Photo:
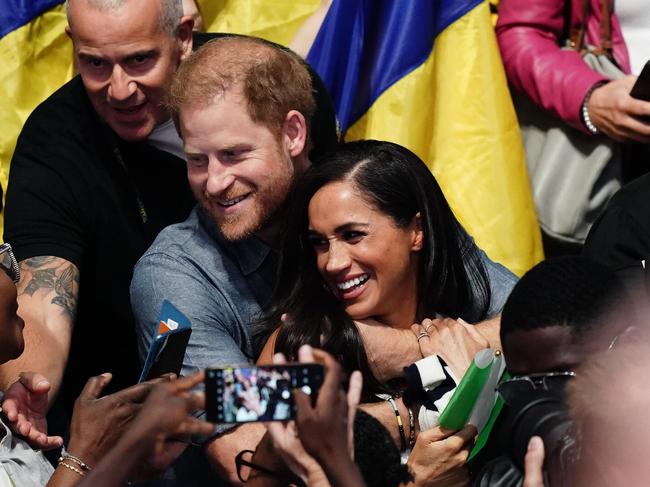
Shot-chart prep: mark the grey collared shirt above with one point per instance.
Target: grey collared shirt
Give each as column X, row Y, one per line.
column 220, row 286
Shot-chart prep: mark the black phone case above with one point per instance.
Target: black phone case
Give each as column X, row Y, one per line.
column 641, row 88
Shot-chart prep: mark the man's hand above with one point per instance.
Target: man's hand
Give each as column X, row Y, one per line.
column 25, row 405
column 439, row 457
column 166, row 418
column 454, row 341
column 98, row 422
column 616, row 114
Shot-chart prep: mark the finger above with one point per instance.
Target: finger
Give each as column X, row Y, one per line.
column 135, row 394
column 23, row 426
column 435, row 434
column 354, row 397
column 34, row 382
column 196, row 401
column 333, row 377
column 303, row 404
column 52, row 442
column 188, row 383
column 279, row 359
column 416, row 328
column 533, row 463
column 10, row 408
column 468, row 433
column 306, row 354
column 166, row 377
column 354, row 391
column 95, row 385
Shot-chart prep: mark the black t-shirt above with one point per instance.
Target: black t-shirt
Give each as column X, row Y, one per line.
column 70, row 197
column 620, row 237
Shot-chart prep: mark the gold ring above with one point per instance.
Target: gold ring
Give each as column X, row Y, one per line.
column 422, row 335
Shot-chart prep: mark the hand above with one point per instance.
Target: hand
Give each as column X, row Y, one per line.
column 327, row 430
column 616, row 114
column 324, row 432
column 288, row 445
column 25, row 405
column 533, row 463
column 166, row 415
column 454, row 341
column 439, row 456
column 98, row 422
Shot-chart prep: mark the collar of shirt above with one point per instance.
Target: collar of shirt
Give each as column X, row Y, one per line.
column 249, row 253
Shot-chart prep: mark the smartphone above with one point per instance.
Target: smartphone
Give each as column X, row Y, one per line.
column 166, row 354
column 258, row 393
column 167, row 349
column 641, row 88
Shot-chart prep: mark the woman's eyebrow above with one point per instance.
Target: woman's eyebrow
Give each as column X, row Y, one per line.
column 350, row 226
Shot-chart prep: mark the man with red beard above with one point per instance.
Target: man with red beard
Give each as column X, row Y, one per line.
column 243, row 109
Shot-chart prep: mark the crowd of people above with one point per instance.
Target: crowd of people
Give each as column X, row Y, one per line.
column 206, row 170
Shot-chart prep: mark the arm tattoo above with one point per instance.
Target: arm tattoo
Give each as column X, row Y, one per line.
column 57, row 277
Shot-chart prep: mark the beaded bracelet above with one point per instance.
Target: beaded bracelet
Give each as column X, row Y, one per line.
column 400, row 425
column 66, row 456
column 412, row 430
column 62, row 461
column 584, row 110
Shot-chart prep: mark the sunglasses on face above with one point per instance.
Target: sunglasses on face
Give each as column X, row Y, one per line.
column 521, row 385
column 8, row 263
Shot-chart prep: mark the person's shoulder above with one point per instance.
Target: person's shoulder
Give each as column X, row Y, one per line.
column 67, row 107
column 187, row 241
column 633, row 198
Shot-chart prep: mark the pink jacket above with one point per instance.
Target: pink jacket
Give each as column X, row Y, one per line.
column 557, row 80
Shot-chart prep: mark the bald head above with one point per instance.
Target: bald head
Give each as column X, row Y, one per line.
column 272, row 80
column 170, row 10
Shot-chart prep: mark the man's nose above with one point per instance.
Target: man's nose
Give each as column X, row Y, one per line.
column 338, row 258
column 121, row 87
column 219, row 178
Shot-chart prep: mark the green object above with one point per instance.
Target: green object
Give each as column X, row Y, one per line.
column 475, row 400
column 461, row 404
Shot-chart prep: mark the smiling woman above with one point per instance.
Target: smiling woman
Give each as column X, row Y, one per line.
column 371, row 236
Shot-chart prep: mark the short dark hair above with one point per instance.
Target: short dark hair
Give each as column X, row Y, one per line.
column 572, row 291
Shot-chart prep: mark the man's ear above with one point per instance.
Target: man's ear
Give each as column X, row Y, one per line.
column 418, row 233
column 294, row 133
column 184, row 35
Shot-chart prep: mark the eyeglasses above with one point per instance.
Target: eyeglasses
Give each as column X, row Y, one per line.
column 8, row 262
column 241, row 462
column 517, row 387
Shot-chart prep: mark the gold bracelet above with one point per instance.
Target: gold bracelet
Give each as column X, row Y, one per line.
column 84, row 466
column 71, row 467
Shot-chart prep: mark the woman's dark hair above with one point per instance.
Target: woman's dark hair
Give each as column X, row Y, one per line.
column 451, row 279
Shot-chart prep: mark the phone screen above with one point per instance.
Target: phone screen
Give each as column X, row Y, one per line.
column 258, row 393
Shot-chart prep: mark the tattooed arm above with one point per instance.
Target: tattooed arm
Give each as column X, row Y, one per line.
column 47, row 300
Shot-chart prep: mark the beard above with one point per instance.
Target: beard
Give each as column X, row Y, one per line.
column 264, row 206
